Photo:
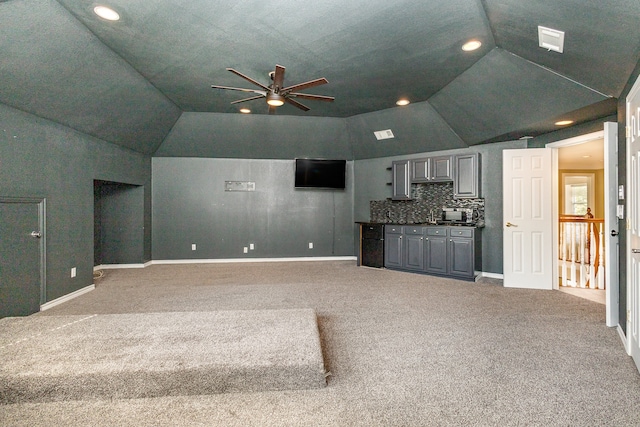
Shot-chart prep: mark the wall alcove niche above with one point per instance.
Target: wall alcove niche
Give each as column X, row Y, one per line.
column 118, row 223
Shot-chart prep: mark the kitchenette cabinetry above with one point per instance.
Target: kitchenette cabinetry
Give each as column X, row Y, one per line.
column 393, row 250
column 466, row 181
column 442, row 250
column 401, row 183
column 432, row 169
column 461, row 169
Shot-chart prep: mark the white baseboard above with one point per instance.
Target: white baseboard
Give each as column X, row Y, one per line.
column 492, row 275
column 623, row 338
column 67, row 297
column 221, row 261
column 241, row 260
column 114, row 266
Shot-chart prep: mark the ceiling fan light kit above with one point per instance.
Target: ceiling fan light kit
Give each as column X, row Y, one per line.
column 275, row 94
column 275, row 100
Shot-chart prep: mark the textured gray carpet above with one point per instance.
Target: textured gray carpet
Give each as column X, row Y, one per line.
column 107, row 356
column 403, row 350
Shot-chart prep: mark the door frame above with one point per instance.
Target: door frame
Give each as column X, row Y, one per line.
column 630, row 123
column 41, row 202
column 611, row 292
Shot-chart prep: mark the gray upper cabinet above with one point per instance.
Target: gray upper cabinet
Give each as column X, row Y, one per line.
column 400, row 183
column 432, row 169
column 466, row 178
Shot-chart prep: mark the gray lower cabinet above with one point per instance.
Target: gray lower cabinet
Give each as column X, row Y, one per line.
column 393, row 250
column 446, row 251
column 461, row 252
column 436, row 253
column 413, row 248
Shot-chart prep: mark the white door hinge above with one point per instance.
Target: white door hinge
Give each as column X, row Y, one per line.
column 627, row 130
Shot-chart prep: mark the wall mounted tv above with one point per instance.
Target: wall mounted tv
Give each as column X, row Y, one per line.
column 320, row 173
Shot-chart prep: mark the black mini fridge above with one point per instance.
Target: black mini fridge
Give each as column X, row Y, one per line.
column 371, row 245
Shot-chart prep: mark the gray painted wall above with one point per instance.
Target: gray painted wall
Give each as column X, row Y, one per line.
column 213, row 135
column 40, row 158
column 191, row 206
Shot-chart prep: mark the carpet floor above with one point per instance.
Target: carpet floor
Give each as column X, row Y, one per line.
column 403, row 350
column 138, row 355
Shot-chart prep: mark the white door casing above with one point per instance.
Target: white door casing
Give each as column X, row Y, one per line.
column 633, row 223
column 611, row 241
column 529, row 243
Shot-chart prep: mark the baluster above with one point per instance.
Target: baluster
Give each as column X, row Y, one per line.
column 592, row 258
column 563, row 254
column 583, row 276
column 572, row 229
column 601, row 267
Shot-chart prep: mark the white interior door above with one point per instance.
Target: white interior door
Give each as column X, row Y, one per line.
column 529, row 243
column 611, row 241
column 633, row 229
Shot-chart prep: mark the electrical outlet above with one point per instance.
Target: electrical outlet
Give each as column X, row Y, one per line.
column 73, row 272
column 251, row 246
column 193, row 246
column 246, row 249
column 310, row 245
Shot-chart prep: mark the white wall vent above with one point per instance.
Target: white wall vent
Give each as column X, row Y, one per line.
column 551, row 39
column 383, row 134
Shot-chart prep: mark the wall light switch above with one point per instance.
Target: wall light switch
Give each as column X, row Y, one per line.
column 73, row 272
column 251, row 246
column 310, row 245
column 246, row 249
column 193, row 247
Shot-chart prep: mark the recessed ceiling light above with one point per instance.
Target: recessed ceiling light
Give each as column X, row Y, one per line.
column 106, row 13
column 564, row 122
column 586, row 156
column 471, row 45
column 245, row 110
column 403, row 101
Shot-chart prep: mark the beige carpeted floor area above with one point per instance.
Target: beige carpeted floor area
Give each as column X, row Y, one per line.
column 403, row 350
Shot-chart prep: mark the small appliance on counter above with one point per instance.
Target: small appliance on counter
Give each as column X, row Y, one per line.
column 458, row 216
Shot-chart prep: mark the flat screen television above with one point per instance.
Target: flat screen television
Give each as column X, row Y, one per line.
column 320, row 173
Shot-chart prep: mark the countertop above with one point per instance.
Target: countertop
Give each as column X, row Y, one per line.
column 479, row 224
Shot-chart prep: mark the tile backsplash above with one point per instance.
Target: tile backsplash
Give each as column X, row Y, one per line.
column 426, row 199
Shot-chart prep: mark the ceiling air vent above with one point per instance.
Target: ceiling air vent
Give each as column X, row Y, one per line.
column 383, row 134
column 551, row 39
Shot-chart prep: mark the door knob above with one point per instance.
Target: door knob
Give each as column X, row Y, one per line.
column 511, row 225
column 614, row 233
column 36, row 234
column 635, row 251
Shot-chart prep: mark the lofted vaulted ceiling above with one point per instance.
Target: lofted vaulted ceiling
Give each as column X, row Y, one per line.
column 128, row 82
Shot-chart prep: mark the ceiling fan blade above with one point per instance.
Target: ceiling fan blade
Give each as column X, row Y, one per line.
column 297, row 104
column 248, row 99
column 314, row 97
column 249, row 79
column 278, row 78
column 305, row 85
column 261, row 92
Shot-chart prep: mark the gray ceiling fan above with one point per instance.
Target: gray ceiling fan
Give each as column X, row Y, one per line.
column 275, row 94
